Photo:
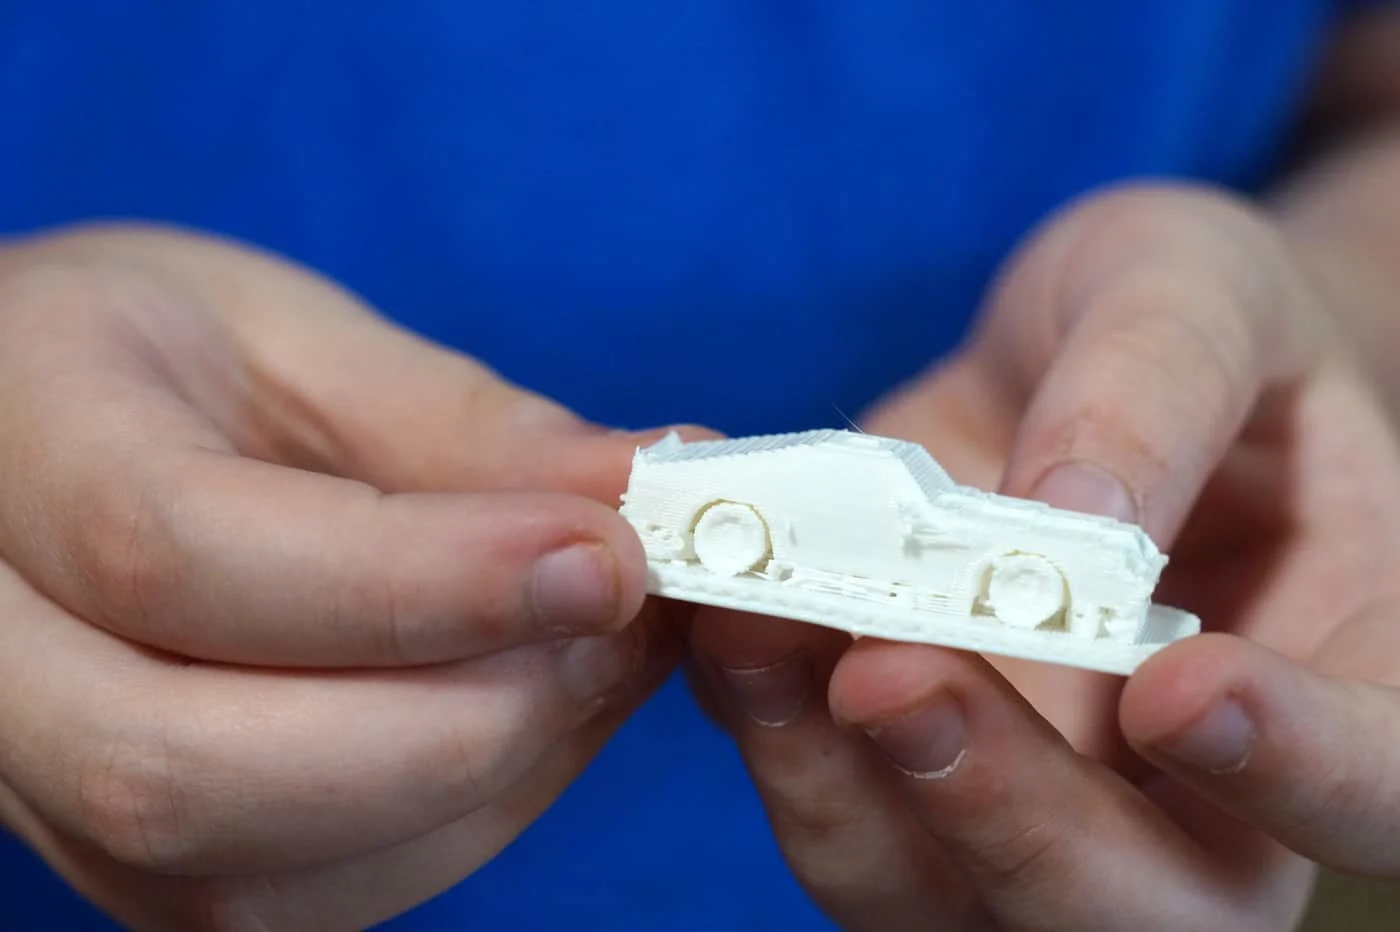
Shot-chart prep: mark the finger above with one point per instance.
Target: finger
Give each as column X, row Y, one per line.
column 1309, row 757
column 967, row 416
column 845, row 834
column 1128, row 346
column 309, row 374
column 349, row 894
column 1048, row 838
column 1143, row 330
column 381, row 885
column 355, row 894
column 214, row 556
column 139, row 514
column 193, row 769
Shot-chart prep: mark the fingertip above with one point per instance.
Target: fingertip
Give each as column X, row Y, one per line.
column 1275, row 744
column 1196, row 706
column 577, row 590
column 881, row 681
column 545, row 565
column 628, row 562
column 1173, row 686
column 1088, row 488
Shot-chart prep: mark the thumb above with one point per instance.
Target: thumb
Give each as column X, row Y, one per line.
column 1310, row 756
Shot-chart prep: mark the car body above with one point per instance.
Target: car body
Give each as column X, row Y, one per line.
column 873, row 522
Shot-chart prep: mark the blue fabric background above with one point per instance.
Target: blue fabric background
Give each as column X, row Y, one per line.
column 747, row 213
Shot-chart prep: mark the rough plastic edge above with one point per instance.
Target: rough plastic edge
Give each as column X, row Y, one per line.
column 758, row 596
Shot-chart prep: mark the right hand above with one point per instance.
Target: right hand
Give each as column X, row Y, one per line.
column 1171, row 350
column 304, row 619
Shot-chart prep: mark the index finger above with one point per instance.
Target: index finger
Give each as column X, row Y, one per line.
column 1145, row 330
column 128, row 505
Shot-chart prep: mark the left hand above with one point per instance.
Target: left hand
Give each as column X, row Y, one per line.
column 1163, row 356
column 302, row 618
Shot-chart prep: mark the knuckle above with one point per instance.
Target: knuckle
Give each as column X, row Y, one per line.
column 1015, row 839
column 476, row 758
column 1160, row 320
column 1021, row 857
column 520, row 722
column 44, row 286
column 379, row 609
column 428, row 598
column 815, row 826
column 133, row 807
column 1167, row 312
column 470, row 768
column 70, row 284
column 1186, row 234
column 1350, row 787
column 126, row 550
column 1182, row 217
column 402, row 639
column 53, row 312
column 806, row 791
column 469, row 764
column 816, row 817
column 231, row 905
column 1196, row 265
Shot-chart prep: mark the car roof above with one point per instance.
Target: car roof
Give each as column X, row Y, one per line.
column 930, row 476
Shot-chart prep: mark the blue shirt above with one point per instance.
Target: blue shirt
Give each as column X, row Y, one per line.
column 745, row 213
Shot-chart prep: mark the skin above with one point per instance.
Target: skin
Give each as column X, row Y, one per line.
column 305, row 568
column 1220, row 372
column 291, row 555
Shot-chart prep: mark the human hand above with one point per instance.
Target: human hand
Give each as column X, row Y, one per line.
column 305, row 619
column 1165, row 357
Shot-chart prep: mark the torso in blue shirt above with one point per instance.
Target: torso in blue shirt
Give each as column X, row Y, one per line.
column 746, row 213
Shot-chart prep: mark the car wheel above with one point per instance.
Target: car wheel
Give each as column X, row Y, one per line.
column 1025, row 590
column 731, row 539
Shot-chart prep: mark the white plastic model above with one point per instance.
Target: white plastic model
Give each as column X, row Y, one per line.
column 871, row 536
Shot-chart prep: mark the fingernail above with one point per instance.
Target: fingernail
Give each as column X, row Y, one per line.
column 1087, row 489
column 1218, row 743
column 928, row 744
column 595, row 666
column 575, row 590
column 774, row 695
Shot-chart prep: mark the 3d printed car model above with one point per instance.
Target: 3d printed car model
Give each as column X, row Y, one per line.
column 870, row 535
